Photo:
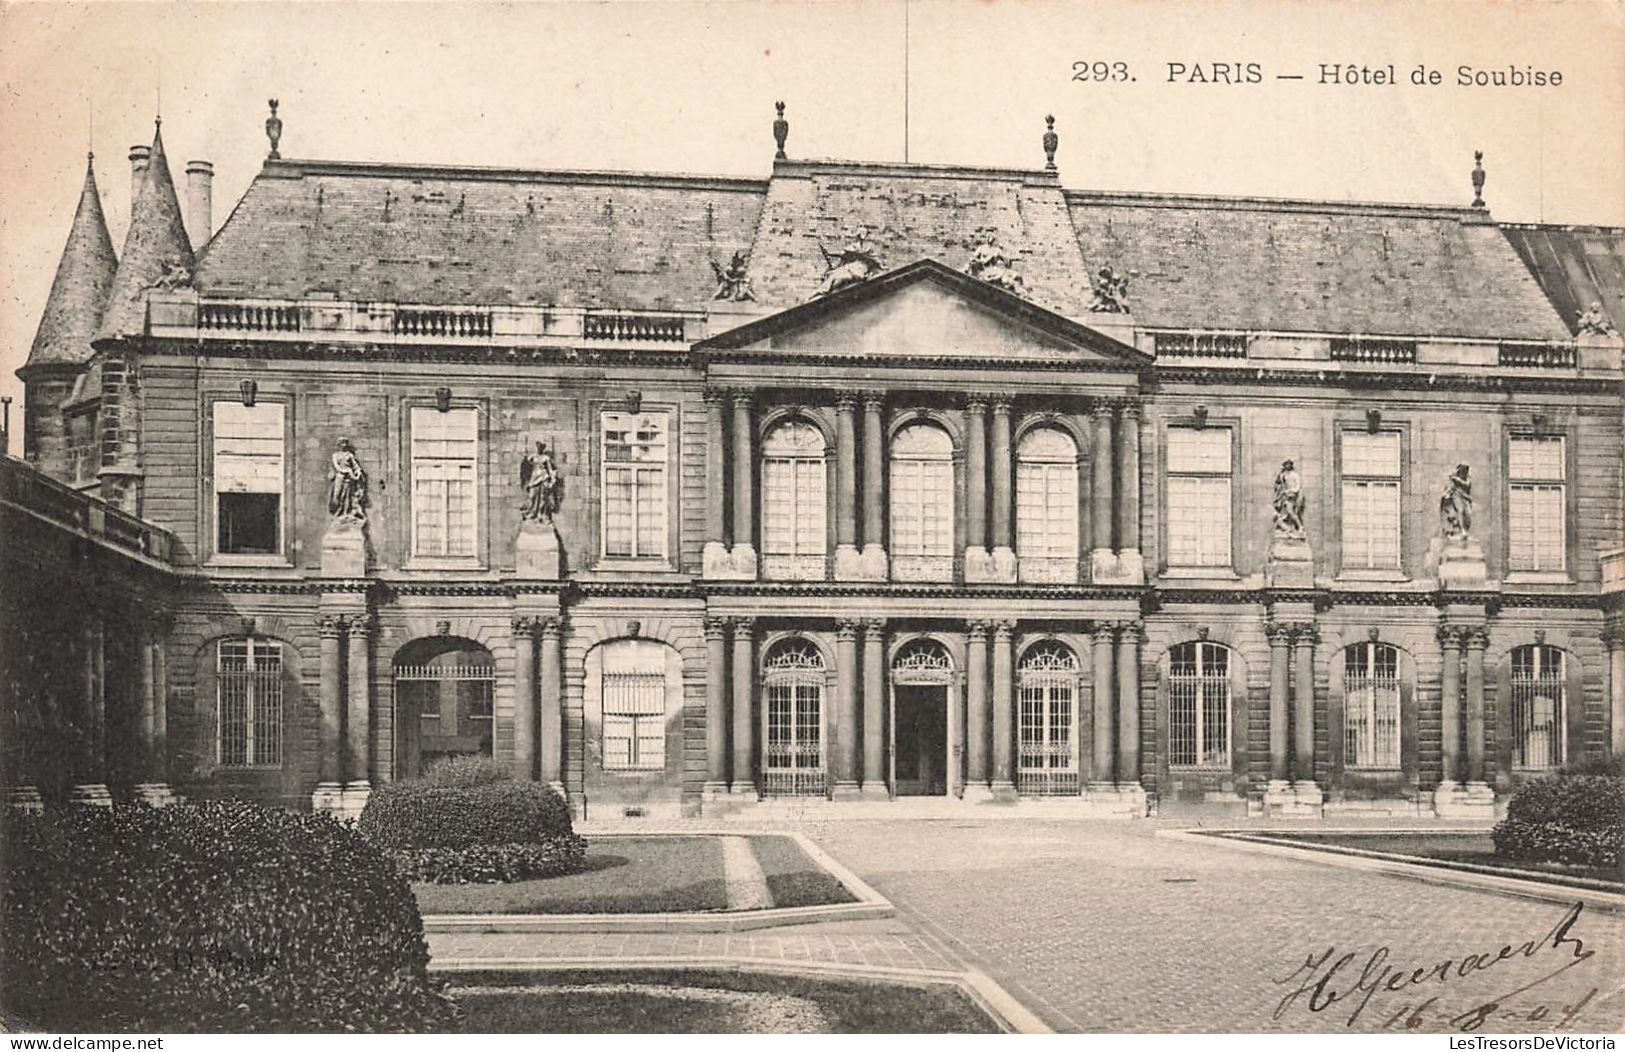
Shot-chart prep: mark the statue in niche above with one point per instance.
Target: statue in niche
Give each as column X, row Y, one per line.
column 1289, row 502
column 543, row 485
column 989, row 263
column 852, row 264
column 347, row 485
column 1456, row 506
column 732, row 282
column 1593, row 322
column 1108, row 292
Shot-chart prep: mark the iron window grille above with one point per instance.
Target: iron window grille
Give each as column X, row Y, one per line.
column 1046, row 718
column 634, row 694
column 793, row 682
column 1371, row 706
column 1199, row 705
column 1539, row 703
column 922, row 661
column 249, row 685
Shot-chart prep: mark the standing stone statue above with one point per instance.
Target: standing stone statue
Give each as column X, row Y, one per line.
column 543, row 485
column 1289, row 502
column 347, row 485
column 1456, row 506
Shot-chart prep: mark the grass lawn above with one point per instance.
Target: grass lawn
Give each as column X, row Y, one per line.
column 622, row 875
column 1475, row 848
column 683, row 1002
column 793, row 879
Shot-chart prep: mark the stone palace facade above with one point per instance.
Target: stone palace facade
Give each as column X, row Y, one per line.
column 855, row 482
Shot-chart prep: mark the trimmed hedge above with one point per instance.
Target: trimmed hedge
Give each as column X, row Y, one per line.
column 420, row 814
column 1577, row 819
column 489, row 863
column 220, row 917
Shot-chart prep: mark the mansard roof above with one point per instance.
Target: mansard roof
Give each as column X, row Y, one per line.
column 1577, row 266
column 79, row 292
column 1256, row 264
column 154, row 247
column 439, row 235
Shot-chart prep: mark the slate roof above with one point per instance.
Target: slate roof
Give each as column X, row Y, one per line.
column 1254, row 264
column 79, row 292
column 1577, row 266
column 156, row 240
column 480, row 236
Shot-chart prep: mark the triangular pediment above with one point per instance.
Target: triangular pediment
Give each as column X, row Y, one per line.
column 925, row 311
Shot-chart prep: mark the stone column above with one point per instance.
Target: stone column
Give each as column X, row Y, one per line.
column 848, row 731
column 1475, row 637
column 874, row 488
column 1613, row 637
column 1280, row 637
column 330, row 784
column 846, row 483
column 1450, row 705
column 550, row 742
column 1102, row 558
column 152, row 781
column 716, row 706
column 1129, row 561
column 160, row 711
column 744, row 484
column 148, row 698
column 976, row 474
column 1303, row 738
column 744, row 711
column 358, row 716
column 716, row 538
column 1003, row 475
column 1004, row 731
column 874, row 710
column 1100, row 691
column 978, row 732
column 524, row 699
column 1128, row 704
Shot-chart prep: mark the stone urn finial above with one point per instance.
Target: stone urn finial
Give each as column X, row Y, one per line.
column 781, row 132
column 273, row 130
column 1478, row 179
column 1051, row 141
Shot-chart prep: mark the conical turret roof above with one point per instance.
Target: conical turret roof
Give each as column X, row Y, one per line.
column 155, row 249
column 79, row 293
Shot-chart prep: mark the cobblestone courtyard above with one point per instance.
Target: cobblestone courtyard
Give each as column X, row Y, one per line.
column 1106, row 927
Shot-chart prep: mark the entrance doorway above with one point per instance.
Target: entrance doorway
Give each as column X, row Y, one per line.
column 443, row 702
column 920, row 740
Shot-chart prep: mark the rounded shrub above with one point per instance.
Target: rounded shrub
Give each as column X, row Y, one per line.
column 225, row 916
column 1577, row 819
column 458, row 826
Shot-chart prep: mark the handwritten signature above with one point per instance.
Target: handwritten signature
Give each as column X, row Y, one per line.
column 1328, row 979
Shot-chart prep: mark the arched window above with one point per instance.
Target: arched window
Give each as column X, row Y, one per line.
column 1370, row 705
column 1047, row 505
column 1046, row 760
column 444, row 690
column 1539, row 696
column 922, row 661
column 922, row 502
column 794, row 535
column 249, row 715
column 793, row 684
column 1199, row 705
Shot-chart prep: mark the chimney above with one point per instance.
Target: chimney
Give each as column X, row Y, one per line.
column 139, row 155
column 199, row 201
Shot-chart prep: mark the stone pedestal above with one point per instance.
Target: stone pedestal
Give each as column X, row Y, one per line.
column 1291, row 563
column 1293, row 800
column 1458, row 563
column 977, row 793
column 846, row 791
column 714, row 791
column 344, row 549
column 742, row 562
column 872, row 564
column 874, row 792
column 156, row 794
column 1474, row 801
column 997, row 566
column 717, row 564
column 537, row 552
column 328, row 796
column 354, row 798
column 1114, row 800
column 1003, row 792
column 1130, row 567
column 94, row 794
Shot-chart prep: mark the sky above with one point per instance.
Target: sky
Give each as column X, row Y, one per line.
column 689, row 87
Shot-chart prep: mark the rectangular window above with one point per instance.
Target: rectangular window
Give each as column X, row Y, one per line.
column 635, row 495
column 445, row 501
column 1199, row 512
column 793, row 506
column 249, row 680
column 1536, row 504
column 1371, row 479
column 634, row 721
column 248, row 451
